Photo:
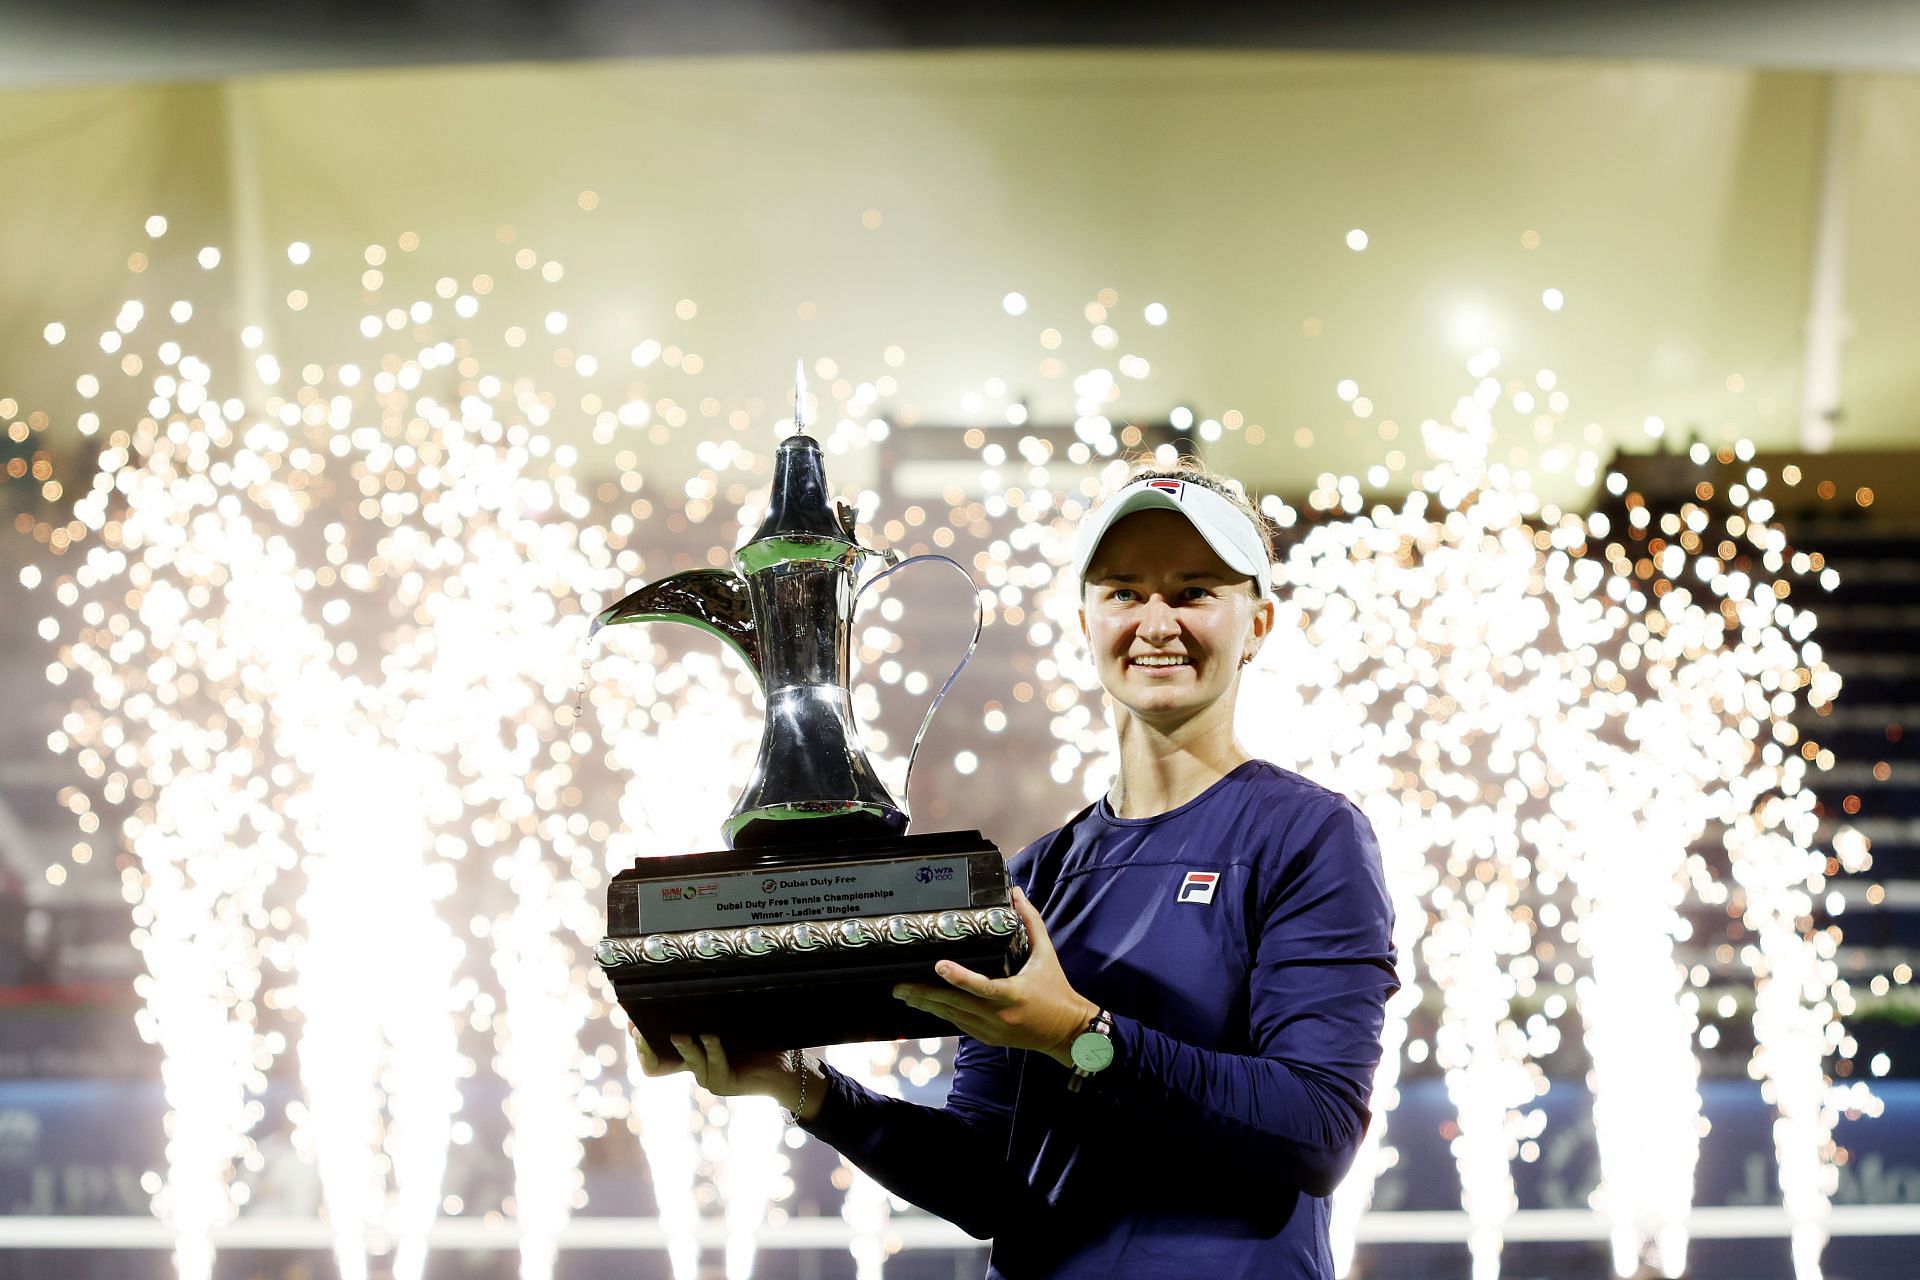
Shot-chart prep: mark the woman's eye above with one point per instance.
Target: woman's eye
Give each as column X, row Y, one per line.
column 1123, row 594
column 1196, row 593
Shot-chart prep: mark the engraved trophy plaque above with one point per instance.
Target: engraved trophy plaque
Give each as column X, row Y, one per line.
column 795, row 933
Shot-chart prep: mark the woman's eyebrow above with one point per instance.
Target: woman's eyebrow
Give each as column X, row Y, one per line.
column 1207, row 575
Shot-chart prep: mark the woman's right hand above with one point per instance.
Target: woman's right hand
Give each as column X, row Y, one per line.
column 775, row 1073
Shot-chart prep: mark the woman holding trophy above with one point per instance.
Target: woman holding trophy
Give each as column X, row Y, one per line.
column 1179, row 1075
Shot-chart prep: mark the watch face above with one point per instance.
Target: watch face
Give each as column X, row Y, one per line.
column 1091, row 1051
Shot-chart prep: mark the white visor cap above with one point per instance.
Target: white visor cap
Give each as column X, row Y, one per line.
column 1225, row 526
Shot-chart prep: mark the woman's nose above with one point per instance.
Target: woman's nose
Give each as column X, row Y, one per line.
column 1157, row 621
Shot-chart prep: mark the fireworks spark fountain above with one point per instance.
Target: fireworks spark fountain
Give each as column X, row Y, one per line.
column 867, row 1206
column 188, row 626
column 664, row 1115
column 1545, row 727
column 360, row 813
column 1385, row 616
column 479, row 580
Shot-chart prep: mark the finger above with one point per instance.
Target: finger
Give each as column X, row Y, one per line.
column 987, row 1030
column 945, row 1002
column 693, row 1056
column 717, row 1058
column 918, row 993
column 974, row 984
column 946, row 1013
column 1037, row 939
column 929, row 990
column 651, row 1062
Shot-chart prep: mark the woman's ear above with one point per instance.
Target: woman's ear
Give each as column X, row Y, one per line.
column 1264, row 613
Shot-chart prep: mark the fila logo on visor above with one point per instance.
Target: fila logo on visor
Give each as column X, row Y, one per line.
column 1174, row 487
column 1199, row 886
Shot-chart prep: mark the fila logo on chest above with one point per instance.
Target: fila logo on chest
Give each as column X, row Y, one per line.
column 1199, row 886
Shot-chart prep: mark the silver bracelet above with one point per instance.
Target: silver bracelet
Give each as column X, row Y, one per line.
column 797, row 1063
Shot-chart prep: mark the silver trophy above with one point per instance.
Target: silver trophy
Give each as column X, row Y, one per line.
column 795, row 933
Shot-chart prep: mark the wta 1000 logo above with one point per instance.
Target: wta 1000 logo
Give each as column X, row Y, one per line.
column 933, row 875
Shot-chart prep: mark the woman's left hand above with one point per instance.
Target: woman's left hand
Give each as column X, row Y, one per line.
column 1036, row 1008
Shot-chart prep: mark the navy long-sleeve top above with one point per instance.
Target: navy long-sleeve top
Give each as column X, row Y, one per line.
column 1243, row 944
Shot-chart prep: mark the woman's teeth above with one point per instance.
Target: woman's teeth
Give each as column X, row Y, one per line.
column 1159, row 662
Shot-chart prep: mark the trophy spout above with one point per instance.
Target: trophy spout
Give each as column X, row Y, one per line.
column 714, row 600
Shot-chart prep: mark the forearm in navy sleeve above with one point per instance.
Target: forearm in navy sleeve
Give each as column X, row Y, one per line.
column 949, row 1160
column 1321, row 976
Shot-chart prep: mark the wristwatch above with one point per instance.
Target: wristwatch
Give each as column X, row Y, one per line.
column 1092, row 1049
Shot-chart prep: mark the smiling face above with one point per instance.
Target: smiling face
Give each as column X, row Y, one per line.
column 1168, row 622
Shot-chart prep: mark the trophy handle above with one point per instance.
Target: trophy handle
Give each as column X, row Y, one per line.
column 979, row 614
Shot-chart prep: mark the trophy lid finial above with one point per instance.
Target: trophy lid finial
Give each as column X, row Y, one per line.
column 800, row 501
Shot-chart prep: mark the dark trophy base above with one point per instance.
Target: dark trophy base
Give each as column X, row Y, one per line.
column 801, row 945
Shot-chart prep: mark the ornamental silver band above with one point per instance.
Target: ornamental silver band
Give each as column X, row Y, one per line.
column 810, row 935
